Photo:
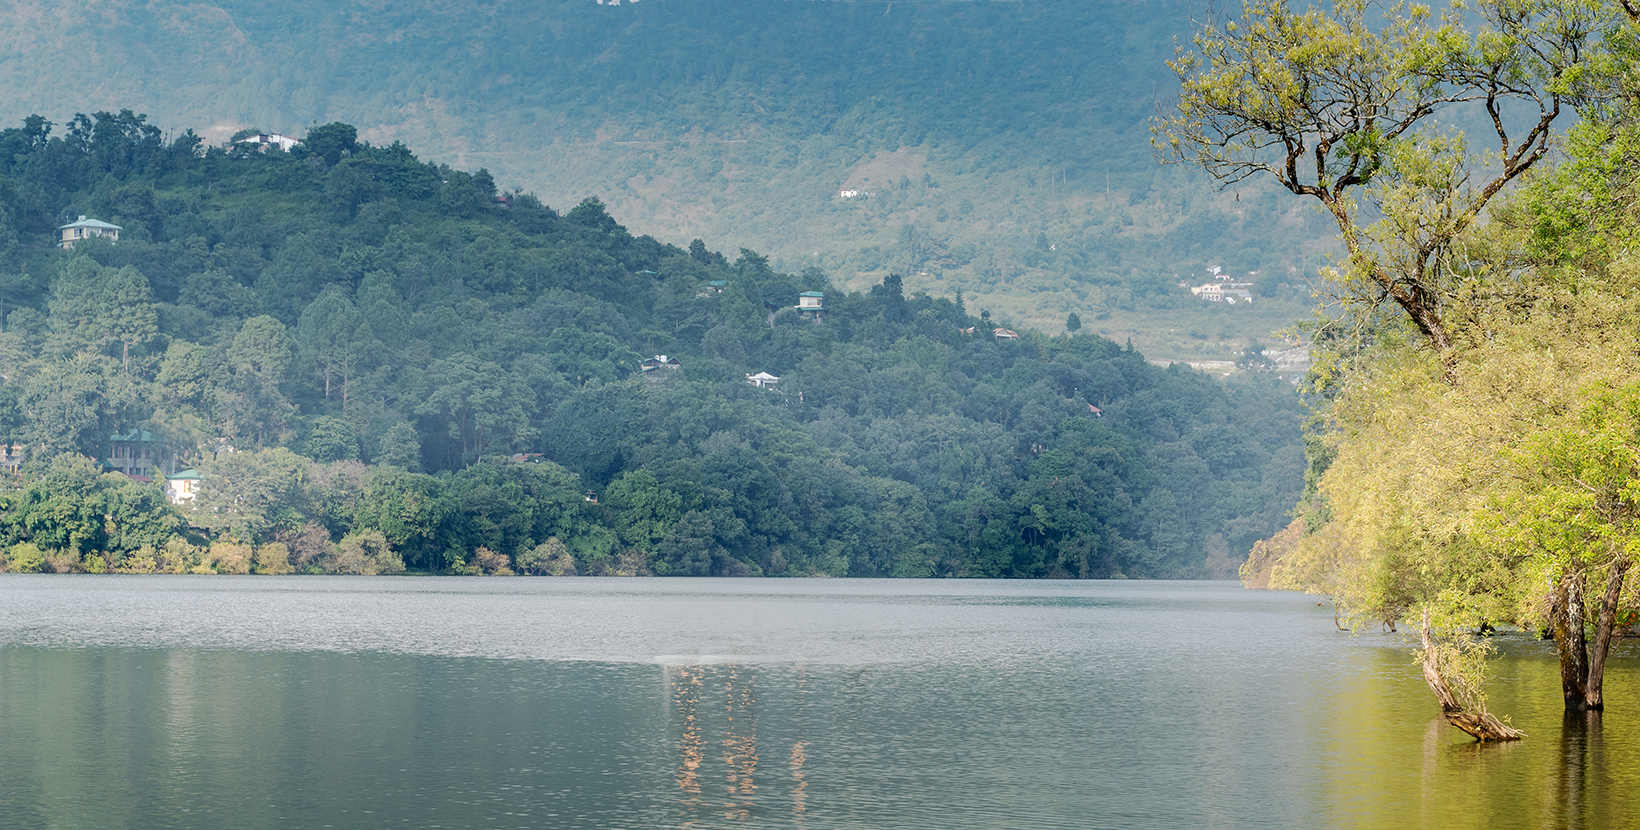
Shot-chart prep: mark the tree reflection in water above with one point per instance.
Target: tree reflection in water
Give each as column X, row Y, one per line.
column 715, row 711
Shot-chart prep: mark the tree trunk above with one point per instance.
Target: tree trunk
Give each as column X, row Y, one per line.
column 1592, row 694
column 1483, row 726
column 1566, row 620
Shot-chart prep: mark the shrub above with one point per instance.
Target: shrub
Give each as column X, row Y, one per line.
column 490, row 562
column 178, row 557
column 25, row 558
column 62, row 562
column 145, row 560
column 273, row 558
column 364, row 552
column 230, row 558
column 550, row 558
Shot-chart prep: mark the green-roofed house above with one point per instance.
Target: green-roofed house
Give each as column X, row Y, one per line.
column 182, row 487
column 85, row 229
column 138, row 451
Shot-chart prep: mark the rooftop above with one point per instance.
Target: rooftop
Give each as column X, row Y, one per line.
column 90, row 223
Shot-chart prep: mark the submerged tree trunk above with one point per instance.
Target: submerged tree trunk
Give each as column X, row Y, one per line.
column 1593, row 697
column 1566, row 621
column 1482, row 725
column 1583, row 664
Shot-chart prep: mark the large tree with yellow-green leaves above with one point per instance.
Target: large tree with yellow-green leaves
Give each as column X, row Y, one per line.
column 1354, row 106
column 1478, row 385
column 1502, row 487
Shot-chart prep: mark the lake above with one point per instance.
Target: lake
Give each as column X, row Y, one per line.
column 375, row 702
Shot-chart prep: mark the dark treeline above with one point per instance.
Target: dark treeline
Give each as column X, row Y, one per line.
column 416, row 372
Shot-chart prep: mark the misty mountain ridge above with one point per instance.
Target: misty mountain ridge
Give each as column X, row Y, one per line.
column 1000, row 149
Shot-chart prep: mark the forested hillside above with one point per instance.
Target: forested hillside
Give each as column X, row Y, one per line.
column 1000, row 150
column 413, row 373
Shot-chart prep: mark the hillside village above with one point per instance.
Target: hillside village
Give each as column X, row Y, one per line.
column 1224, row 288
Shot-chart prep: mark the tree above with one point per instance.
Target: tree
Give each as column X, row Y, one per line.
column 75, row 404
column 399, row 447
column 1353, row 107
column 690, row 547
column 126, row 314
column 332, row 142
column 644, row 510
column 250, row 494
column 1073, row 323
column 550, row 558
column 93, row 305
column 260, row 354
column 590, row 213
column 586, row 356
column 330, row 439
column 479, row 403
column 1509, row 497
column 408, row 509
column 60, row 509
column 336, row 340
column 1336, row 108
column 364, row 552
column 1575, row 512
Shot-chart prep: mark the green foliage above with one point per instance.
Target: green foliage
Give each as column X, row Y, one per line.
column 355, row 302
column 25, row 557
column 248, row 495
column 1346, row 105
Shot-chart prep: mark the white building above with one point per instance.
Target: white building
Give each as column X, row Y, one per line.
column 283, row 142
column 182, row 487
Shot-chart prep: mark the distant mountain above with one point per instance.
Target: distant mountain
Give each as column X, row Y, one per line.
column 997, row 149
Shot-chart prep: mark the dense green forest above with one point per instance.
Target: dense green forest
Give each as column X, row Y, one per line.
column 415, row 372
column 1000, row 150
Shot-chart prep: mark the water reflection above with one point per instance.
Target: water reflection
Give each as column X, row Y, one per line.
column 1579, row 744
column 1132, row 706
column 716, row 705
column 800, row 782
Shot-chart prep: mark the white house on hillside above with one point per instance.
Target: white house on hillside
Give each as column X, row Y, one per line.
column 182, row 487
column 283, row 142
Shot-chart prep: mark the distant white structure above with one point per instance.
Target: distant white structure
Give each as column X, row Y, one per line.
column 762, row 380
column 283, row 142
column 848, row 194
column 182, row 487
column 1218, row 292
column 660, row 361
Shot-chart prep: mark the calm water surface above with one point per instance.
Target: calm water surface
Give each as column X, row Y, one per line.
column 304, row 702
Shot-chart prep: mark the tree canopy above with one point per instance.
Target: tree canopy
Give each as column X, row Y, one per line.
column 1471, row 454
column 345, row 340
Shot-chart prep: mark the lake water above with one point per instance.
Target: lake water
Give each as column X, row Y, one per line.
column 355, row 702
